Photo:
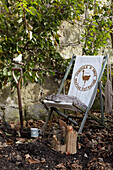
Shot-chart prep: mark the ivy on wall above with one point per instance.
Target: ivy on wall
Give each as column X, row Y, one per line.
column 29, row 27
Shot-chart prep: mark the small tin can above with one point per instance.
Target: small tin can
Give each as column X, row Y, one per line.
column 35, row 132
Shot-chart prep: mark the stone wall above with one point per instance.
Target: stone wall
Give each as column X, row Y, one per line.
column 70, row 39
column 30, row 96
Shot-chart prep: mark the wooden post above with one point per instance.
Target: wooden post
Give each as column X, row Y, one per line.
column 71, row 144
column 71, row 141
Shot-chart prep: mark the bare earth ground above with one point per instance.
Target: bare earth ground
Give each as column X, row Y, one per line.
column 94, row 148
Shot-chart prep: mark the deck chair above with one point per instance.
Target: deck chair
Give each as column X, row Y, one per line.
column 86, row 76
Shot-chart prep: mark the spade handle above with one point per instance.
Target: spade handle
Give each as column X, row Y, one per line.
column 18, row 92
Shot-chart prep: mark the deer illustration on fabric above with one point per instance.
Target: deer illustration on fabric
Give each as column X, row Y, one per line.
column 85, row 77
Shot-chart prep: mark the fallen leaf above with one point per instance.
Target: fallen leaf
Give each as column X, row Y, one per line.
column 22, row 140
column 79, row 145
column 18, row 142
column 43, row 160
column 33, row 161
column 76, row 166
column 9, row 142
column 103, row 148
column 94, row 159
column 60, row 166
column 27, row 156
column 1, row 132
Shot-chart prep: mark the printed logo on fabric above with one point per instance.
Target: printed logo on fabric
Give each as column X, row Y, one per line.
column 85, row 77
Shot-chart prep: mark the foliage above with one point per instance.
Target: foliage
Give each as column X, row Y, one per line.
column 29, row 27
column 97, row 26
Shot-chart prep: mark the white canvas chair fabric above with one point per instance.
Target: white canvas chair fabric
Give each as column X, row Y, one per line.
column 84, row 78
column 85, row 75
